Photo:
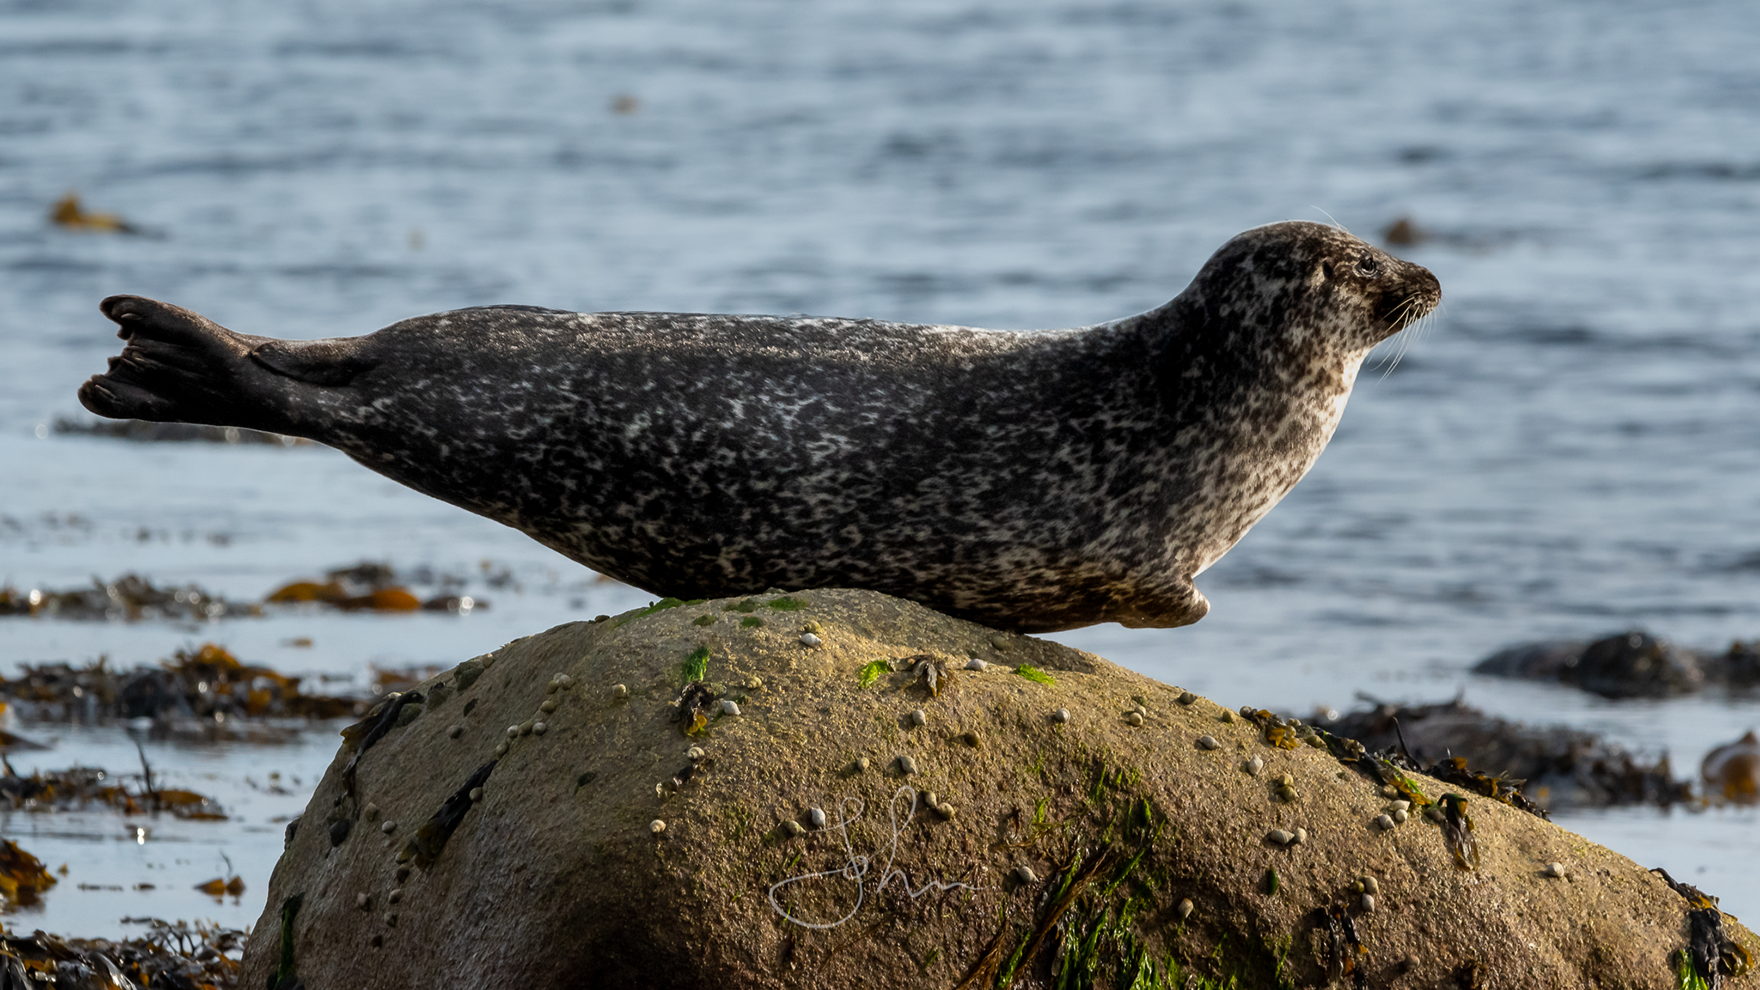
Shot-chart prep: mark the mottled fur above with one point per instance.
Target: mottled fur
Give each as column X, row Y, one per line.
column 1027, row 480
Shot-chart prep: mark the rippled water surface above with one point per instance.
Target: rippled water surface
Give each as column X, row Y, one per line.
column 1571, row 448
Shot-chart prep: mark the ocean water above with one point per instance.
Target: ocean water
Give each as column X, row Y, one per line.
column 1571, row 447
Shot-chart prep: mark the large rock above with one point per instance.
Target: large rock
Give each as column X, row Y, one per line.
column 1059, row 847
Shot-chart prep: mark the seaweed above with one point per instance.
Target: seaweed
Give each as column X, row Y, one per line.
column 282, row 977
column 871, row 671
column 171, row 954
column 81, row 787
column 1710, row 954
column 130, row 598
column 383, row 724
column 1273, row 729
column 695, row 666
column 431, row 837
column 931, row 674
column 1036, row 675
column 786, row 604
column 22, row 876
column 692, row 707
column 1457, row 832
column 202, row 687
column 1346, row 955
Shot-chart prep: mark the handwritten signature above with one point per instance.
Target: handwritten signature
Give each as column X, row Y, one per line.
column 857, row 866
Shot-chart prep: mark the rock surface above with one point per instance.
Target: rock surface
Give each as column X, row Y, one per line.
column 1023, row 850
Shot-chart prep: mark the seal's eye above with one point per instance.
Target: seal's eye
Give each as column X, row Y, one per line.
column 1368, row 267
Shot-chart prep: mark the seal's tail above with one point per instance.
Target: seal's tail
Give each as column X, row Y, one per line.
column 178, row 366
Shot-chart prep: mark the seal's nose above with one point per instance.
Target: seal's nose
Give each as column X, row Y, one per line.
column 1411, row 298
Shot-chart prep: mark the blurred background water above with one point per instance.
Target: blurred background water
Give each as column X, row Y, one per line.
column 1572, row 447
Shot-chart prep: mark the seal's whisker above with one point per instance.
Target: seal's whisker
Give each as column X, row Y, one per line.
column 1329, row 216
column 1411, row 330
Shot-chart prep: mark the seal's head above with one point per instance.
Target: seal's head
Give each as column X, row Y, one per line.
column 1309, row 285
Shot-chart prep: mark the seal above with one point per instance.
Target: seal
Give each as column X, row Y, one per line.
column 1026, row 480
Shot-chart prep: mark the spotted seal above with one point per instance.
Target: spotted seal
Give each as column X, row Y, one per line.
column 1033, row 481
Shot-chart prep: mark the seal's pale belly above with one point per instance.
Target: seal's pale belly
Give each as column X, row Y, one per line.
column 1035, row 481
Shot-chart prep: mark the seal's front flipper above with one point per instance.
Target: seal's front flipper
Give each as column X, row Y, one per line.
column 178, row 366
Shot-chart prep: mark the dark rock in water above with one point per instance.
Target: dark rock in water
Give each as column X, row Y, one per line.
column 1635, row 665
column 1543, row 661
column 1738, row 667
column 797, row 853
column 1630, row 665
column 1561, row 767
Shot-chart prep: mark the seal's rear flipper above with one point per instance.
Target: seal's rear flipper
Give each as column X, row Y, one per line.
column 182, row 367
column 178, row 366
